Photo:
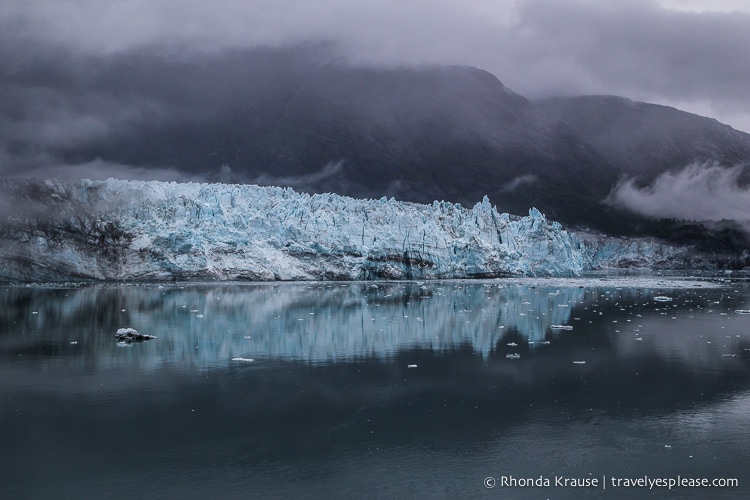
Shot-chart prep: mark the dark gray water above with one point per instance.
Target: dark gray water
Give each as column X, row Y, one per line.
column 310, row 390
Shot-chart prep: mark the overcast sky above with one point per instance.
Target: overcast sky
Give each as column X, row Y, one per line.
column 692, row 54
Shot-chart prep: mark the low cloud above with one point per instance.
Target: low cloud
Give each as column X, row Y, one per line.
column 699, row 192
column 300, row 182
column 100, row 170
column 691, row 52
column 523, row 180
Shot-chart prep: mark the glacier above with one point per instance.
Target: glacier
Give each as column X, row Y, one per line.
column 149, row 230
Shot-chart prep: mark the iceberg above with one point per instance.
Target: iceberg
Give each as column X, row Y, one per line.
column 147, row 230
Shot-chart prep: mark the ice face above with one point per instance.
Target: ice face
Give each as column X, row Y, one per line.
column 131, row 230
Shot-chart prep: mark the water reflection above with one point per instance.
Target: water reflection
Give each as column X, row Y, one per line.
column 200, row 326
column 331, row 402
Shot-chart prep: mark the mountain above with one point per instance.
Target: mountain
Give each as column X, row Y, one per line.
column 645, row 140
column 300, row 117
column 286, row 117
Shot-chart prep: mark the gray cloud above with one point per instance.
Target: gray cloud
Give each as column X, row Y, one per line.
column 639, row 50
column 46, row 166
column 81, row 72
column 698, row 192
column 694, row 59
column 301, row 182
column 523, row 180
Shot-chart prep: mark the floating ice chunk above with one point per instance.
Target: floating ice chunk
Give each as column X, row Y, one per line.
column 130, row 335
column 246, row 360
column 513, row 356
column 742, row 311
column 662, row 298
column 561, row 327
column 411, row 366
column 512, row 344
column 579, row 362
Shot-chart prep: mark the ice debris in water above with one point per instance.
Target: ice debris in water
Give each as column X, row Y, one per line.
column 411, row 366
column 246, row 360
column 662, row 298
column 513, row 356
column 579, row 362
column 742, row 311
column 561, row 327
column 130, row 335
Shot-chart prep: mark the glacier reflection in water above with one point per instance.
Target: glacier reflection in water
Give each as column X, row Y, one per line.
column 206, row 324
column 329, row 406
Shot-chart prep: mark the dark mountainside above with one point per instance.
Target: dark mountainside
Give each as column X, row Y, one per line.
column 644, row 140
column 295, row 118
column 300, row 117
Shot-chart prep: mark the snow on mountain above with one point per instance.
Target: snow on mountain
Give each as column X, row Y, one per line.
column 130, row 230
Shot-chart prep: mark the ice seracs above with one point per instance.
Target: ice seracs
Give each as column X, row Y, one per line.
column 133, row 230
column 136, row 230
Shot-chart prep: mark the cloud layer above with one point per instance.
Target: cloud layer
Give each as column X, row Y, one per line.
column 75, row 73
column 684, row 54
column 698, row 192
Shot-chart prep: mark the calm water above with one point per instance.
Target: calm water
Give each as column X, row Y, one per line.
column 310, row 390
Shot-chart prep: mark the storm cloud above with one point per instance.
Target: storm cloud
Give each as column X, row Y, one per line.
column 83, row 72
column 689, row 54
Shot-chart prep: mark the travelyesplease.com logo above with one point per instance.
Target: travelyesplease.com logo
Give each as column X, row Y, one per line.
column 604, row 482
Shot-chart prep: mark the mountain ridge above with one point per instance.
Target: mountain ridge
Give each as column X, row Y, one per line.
column 645, row 140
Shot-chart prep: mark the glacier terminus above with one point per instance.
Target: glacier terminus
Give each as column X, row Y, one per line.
column 150, row 230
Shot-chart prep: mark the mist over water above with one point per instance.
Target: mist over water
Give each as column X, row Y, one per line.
column 371, row 389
